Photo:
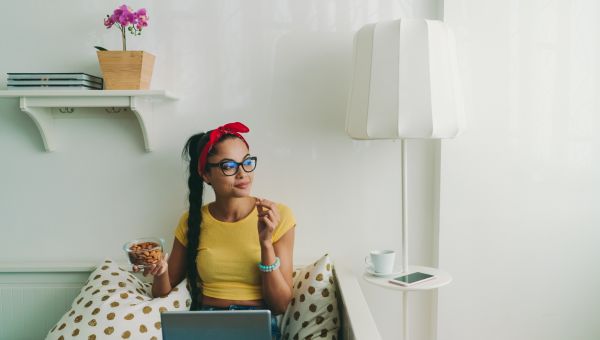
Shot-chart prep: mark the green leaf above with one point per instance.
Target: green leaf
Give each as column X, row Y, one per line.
column 100, row 48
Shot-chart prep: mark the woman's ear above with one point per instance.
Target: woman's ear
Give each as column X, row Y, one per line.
column 205, row 178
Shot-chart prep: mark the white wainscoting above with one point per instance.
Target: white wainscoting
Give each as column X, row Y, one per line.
column 34, row 297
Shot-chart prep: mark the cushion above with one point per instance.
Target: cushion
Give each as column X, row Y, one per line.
column 313, row 311
column 114, row 304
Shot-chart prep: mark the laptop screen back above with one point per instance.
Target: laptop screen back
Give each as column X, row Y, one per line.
column 224, row 325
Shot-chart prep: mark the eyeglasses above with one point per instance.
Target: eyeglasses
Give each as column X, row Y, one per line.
column 230, row 167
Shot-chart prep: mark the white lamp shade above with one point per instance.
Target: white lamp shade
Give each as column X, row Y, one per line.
column 405, row 82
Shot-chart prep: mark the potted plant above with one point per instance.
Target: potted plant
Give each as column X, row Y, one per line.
column 126, row 70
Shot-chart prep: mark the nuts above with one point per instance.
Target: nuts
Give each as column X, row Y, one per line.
column 145, row 253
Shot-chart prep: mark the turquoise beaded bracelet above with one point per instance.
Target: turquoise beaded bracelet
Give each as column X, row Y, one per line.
column 265, row 269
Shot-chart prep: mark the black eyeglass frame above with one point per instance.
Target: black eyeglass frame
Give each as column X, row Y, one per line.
column 237, row 165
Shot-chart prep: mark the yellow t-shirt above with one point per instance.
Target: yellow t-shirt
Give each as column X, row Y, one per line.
column 229, row 252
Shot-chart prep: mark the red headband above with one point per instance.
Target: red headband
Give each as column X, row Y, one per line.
column 227, row 129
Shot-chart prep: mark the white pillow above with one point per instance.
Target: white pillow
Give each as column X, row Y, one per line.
column 114, row 304
column 313, row 311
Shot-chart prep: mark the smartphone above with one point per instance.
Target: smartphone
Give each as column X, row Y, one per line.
column 412, row 279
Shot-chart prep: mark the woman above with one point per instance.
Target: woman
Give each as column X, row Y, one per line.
column 237, row 250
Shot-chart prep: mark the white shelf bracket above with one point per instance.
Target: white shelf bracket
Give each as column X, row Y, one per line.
column 143, row 110
column 42, row 117
column 38, row 105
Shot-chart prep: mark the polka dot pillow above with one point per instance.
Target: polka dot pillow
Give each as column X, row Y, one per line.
column 114, row 304
column 313, row 311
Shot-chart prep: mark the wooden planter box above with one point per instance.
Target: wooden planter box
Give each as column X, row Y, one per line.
column 126, row 70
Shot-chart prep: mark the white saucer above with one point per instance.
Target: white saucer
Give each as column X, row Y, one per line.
column 370, row 271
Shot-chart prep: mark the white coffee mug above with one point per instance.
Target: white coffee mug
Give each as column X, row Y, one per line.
column 381, row 261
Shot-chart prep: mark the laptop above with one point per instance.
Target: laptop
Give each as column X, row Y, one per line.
column 220, row 325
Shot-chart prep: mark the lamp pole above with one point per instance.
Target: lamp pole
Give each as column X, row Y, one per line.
column 404, row 207
column 404, row 237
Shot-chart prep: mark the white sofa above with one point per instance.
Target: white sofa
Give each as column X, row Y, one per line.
column 34, row 296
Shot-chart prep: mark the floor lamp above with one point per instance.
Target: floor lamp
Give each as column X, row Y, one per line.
column 405, row 86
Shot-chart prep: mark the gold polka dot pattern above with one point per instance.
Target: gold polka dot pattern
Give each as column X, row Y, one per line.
column 115, row 304
column 313, row 311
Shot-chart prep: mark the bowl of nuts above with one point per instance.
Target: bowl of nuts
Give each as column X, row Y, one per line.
column 144, row 252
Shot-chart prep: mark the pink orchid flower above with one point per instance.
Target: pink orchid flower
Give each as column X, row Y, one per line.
column 127, row 19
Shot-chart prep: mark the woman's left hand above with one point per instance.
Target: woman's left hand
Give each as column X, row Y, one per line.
column 268, row 219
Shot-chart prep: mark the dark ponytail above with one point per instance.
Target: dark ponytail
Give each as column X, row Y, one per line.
column 191, row 152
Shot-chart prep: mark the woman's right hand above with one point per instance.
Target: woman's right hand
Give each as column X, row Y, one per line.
column 156, row 269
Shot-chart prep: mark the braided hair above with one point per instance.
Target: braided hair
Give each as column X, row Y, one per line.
column 191, row 152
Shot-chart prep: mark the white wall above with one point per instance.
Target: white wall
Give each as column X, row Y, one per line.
column 282, row 67
column 519, row 191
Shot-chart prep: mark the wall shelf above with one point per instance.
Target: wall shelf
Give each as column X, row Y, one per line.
column 38, row 105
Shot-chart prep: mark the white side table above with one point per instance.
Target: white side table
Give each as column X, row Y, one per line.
column 441, row 279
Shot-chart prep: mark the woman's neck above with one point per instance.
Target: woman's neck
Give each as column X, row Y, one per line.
column 232, row 209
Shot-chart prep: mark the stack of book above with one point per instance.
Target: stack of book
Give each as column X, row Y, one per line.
column 53, row 81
